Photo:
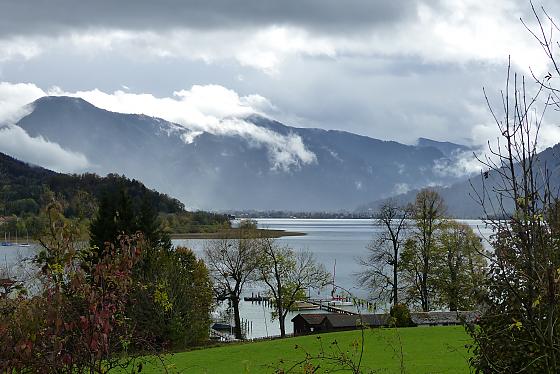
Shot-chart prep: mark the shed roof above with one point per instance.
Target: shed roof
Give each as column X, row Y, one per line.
column 311, row 318
column 343, row 320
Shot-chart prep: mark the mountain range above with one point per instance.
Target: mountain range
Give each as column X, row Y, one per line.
column 276, row 167
column 464, row 198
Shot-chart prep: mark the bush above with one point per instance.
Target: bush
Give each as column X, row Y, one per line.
column 76, row 322
column 172, row 299
column 400, row 316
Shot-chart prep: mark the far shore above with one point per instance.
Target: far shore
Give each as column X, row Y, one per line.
column 233, row 234
column 224, row 234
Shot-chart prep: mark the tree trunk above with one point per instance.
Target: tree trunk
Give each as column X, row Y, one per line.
column 281, row 317
column 453, row 294
column 453, row 305
column 237, row 320
column 282, row 326
column 425, row 307
column 424, row 294
column 425, row 272
column 395, row 280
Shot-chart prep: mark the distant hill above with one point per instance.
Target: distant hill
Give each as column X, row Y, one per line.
column 461, row 197
column 22, row 187
column 236, row 172
column 447, row 148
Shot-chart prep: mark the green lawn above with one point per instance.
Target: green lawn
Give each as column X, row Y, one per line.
column 425, row 350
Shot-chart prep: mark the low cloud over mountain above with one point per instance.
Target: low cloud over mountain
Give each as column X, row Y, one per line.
column 231, row 155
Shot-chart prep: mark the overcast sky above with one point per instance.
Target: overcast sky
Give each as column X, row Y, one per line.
column 388, row 69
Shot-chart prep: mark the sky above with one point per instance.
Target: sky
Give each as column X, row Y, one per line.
column 393, row 70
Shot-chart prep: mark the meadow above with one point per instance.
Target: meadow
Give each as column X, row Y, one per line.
column 439, row 349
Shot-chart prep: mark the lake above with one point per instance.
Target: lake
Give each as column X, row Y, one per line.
column 330, row 240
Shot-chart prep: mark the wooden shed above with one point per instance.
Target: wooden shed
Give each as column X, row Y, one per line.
column 336, row 322
column 308, row 323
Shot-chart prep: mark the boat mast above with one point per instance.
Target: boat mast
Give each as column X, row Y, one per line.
column 333, row 279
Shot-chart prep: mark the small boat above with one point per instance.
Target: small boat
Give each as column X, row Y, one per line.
column 6, row 242
column 335, row 299
column 26, row 243
column 256, row 298
column 222, row 326
column 340, row 301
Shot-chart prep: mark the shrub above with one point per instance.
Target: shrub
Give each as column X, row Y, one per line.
column 76, row 322
column 400, row 316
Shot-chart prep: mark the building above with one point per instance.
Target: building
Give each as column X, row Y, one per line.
column 324, row 322
column 328, row 322
column 339, row 322
column 443, row 318
column 308, row 323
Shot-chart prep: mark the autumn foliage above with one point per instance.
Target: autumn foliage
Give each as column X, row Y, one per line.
column 75, row 321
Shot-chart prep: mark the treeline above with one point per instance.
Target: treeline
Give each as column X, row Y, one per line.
column 302, row 215
column 23, row 188
column 26, row 190
column 194, row 222
column 422, row 258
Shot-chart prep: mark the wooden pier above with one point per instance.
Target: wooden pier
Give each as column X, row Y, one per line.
column 324, row 305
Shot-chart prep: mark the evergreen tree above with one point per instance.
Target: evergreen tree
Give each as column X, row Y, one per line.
column 114, row 218
column 150, row 225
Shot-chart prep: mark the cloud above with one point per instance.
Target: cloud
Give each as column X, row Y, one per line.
column 488, row 141
column 461, row 164
column 15, row 142
column 211, row 108
column 387, row 69
column 400, row 188
column 13, row 98
column 18, row 48
column 264, row 48
column 264, row 35
column 32, row 17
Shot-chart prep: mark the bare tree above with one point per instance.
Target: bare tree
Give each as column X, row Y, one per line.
column 232, row 263
column 288, row 275
column 519, row 330
column 381, row 267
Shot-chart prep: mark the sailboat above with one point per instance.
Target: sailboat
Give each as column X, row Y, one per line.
column 6, row 242
column 26, row 243
column 337, row 300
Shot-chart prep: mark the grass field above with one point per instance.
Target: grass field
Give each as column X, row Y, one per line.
column 425, row 350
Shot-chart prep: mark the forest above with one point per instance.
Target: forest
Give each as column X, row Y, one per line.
column 26, row 189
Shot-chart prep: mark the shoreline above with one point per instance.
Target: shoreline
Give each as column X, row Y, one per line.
column 233, row 234
column 199, row 235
